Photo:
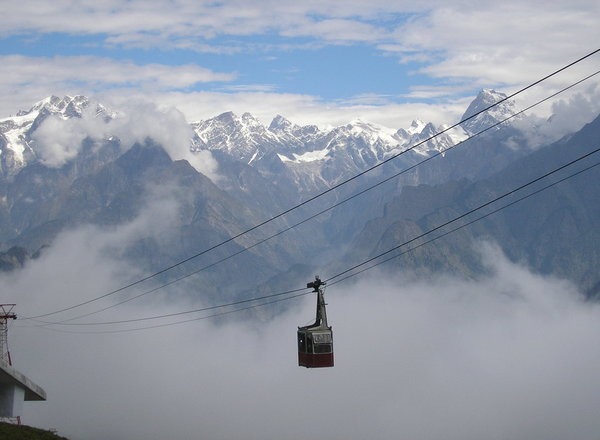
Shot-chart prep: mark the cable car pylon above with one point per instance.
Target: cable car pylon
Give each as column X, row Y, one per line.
column 315, row 341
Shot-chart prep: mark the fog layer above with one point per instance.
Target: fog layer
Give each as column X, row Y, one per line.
column 511, row 355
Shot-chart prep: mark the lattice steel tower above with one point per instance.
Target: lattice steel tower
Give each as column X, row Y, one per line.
column 6, row 313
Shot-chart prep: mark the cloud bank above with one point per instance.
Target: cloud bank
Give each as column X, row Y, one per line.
column 512, row 355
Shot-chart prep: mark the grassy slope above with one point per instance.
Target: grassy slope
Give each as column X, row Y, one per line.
column 14, row 432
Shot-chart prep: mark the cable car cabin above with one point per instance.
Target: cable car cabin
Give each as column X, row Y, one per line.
column 315, row 341
column 315, row 348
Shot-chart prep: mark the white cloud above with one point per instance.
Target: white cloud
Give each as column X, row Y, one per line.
column 25, row 80
column 468, row 39
column 168, row 127
column 86, row 262
column 191, row 19
column 337, row 30
column 572, row 113
column 561, row 117
column 58, row 141
column 459, row 47
column 308, row 110
column 492, row 42
column 118, row 85
column 513, row 355
column 102, row 72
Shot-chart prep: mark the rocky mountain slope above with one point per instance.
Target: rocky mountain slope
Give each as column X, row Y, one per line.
column 62, row 167
column 555, row 232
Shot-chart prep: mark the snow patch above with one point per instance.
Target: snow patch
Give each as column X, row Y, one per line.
column 309, row 156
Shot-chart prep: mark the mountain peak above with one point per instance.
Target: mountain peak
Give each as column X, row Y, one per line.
column 293, row 135
column 479, row 118
column 279, row 123
column 484, row 99
column 68, row 106
column 227, row 117
column 416, row 126
column 250, row 120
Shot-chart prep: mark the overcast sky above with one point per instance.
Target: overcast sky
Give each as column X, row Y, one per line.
column 311, row 61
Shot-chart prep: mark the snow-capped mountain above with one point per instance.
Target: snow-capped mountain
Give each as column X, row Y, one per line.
column 308, row 157
column 486, row 98
column 312, row 155
column 16, row 148
column 312, row 158
column 67, row 107
column 293, row 135
column 303, row 158
column 243, row 138
column 261, row 170
column 427, row 139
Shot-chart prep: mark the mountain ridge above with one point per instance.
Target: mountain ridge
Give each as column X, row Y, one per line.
column 242, row 137
column 557, row 235
column 262, row 171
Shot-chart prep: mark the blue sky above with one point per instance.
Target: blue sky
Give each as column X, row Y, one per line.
column 313, row 62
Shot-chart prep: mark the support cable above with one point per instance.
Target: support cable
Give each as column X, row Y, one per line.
column 372, row 259
column 395, row 175
column 330, row 189
column 352, row 274
column 467, row 213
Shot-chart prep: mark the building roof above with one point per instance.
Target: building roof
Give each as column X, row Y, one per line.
column 10, row 376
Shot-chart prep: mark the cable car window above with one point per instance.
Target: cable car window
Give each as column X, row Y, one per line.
column 301, row 343
column 322, row 338
column 323, row 348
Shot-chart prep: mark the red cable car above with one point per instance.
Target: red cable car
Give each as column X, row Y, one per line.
column 315, row 341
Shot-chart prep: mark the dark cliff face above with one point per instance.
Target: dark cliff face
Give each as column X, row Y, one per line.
column 13, row 258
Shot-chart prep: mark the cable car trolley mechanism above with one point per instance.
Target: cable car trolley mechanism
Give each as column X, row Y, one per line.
column 315, row 341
